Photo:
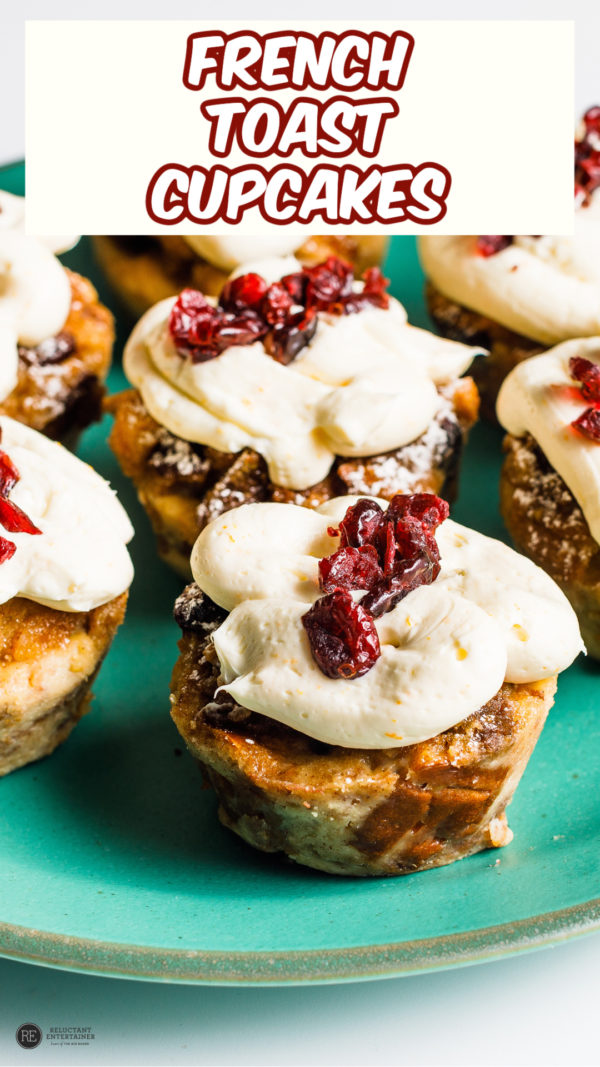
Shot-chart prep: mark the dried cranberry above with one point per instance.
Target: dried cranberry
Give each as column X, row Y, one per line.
column 9, row 475
column 202, row 331
column 7, row 549
column 14, row 519
column 350, row 568
column 52, row 350
column 588, row 424
column 588, row 373
column 489, row 246
column 592, row 119
column 276, row 304
column 246, row 291
column 360, row 523
column 416, row 562
column 286, row 339
column 342, row 636
column 296, row 286
column 427, row 508
column 329, row 283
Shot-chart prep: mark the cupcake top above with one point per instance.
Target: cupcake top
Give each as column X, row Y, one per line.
column 374, row 628
column 12, row 217
column 35, row 299
column 62, row 530
column 303, row 370
column 229, row 251
column 547, row 288
column 555, row 397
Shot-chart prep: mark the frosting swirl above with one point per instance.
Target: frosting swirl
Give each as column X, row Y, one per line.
column 79, row 560
column 490, row 616
column 365, row 384
column 229, row 251
column 539, row 397
column 35, row 298
column 547, row 288
column 12, row 217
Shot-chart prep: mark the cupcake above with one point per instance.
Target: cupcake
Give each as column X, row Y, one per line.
column 515, row 296
column 64, row 576
column 144, row 270
column 550, row 481
column 363, row 687
column 293, row 390
column 56, row 340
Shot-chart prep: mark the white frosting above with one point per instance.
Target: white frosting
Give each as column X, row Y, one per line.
column 12, row 217
column 35, row 298
column 491, row 616
column 79, row 560
column 540, row 397
column 227, row 252
column 365, row 384
column 547, row 288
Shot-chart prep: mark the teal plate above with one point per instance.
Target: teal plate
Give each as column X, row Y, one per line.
column 114, row 862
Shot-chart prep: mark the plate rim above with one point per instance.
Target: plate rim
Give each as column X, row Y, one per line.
column 297, row 967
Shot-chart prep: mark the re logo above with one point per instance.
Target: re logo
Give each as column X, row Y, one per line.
column 29, row 1035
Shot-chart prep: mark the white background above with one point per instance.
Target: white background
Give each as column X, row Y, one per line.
column 537, row 1009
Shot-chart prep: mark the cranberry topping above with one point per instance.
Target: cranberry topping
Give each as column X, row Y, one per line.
column 283, row 315
column 489, row 246
column 387, row 554
column 588, row 373
column 12, row 517
column 587, row 157
column 342, row 636
column 588, row 424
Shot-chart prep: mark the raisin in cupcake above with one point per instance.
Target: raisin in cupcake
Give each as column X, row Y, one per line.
column 144, row 270
column 363, row 687
column 296, row 390
column 56, row 341
column 64, row 576
column 517, row 295
column 550, row 481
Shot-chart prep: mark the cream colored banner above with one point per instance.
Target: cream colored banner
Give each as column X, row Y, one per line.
column 475, row 136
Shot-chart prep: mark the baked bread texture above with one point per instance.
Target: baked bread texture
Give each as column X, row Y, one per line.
column 48, row 662
column 144, row 270
column 546, row 524
column 183, row 486
column 505, row 347
column 347, row 811
column 60, row 381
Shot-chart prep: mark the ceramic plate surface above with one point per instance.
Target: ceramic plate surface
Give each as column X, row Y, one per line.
column 112, row 859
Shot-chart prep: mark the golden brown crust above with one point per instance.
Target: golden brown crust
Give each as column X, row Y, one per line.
column 184, row 486
column 357, row 812
column 546, row 523
column 145, row 270
column 48, row 660
column 61, row 398
column 506, row 348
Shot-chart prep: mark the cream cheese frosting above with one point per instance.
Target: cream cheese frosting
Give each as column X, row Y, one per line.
column 35, row 298
column 539, row 397
column 365, row 384
column 12, row 217
column 229, row 251
column 80, row 559
column 547, row 288
column 491, row 616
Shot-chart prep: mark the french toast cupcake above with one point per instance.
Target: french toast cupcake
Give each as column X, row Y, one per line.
column 56, row 340
column 144, row 270
column 295, row 388
column 64, row 576
column 514, row 295
column 363, row 685
column 550, row 480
